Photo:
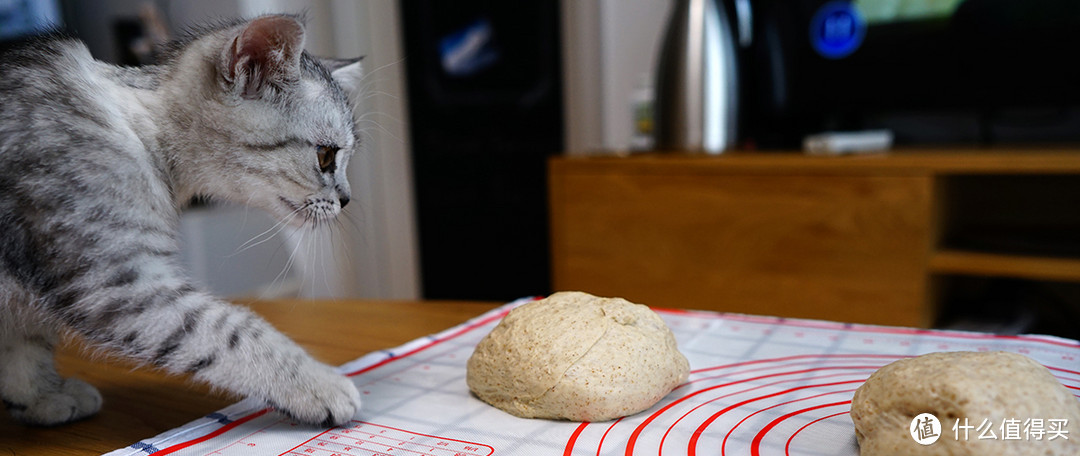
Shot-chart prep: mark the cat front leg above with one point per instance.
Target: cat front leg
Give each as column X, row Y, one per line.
column 275, row 370
column 186, row 331
column 32, row 391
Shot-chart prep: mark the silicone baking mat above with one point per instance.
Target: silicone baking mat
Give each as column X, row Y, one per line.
column 758, row 386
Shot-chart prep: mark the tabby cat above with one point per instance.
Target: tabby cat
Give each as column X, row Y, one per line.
column 95, row 163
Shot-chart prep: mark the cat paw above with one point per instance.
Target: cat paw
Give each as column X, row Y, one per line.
column 74, row 401
column 321, row 397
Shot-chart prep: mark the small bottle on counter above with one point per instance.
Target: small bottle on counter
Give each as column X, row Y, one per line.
column 641, row 113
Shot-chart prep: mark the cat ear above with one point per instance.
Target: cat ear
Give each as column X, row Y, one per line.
column 348, row 73
column 264, row 54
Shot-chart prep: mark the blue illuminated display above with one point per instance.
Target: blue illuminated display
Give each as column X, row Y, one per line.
column 837, row 29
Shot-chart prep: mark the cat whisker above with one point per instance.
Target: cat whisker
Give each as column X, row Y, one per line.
column 364, row 83
column 311, row 256
column 318, row 245
column 297, row 261
column 381, row 128
column 378, row 113
column 266, row 239
column 266, row 235
column 373, row 93
column 367, row 137
column 292, row 239
column 349, row 218
column 367, row 88
column 380, row 68
column 247, row 207
column 326, row 280
column 344, row 245
column 279, row 280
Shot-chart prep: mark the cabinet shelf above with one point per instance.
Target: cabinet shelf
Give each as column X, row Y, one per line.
column 817, row 237
column 962, row 262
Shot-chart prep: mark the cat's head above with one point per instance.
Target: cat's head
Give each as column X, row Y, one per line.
column 266, row 123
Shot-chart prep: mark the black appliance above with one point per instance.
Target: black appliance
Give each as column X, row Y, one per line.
column 485, row 113
column 950, row 71
column 21, row 20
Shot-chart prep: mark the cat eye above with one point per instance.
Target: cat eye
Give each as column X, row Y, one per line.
column 326, row 157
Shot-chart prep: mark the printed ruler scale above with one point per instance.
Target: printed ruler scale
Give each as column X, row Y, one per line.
column 362, row 438
column 758, row 386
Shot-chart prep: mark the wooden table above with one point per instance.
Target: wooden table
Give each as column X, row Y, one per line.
column 143, row 403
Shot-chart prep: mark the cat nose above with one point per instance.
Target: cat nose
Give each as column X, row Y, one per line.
column 343, row 194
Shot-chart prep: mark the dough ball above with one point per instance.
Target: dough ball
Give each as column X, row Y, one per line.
column 577, row 357
column 955, row 385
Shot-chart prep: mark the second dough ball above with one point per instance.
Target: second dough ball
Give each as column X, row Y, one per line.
column 963, row 387
column 577, row 357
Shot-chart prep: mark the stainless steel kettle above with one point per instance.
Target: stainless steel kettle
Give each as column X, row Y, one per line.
column 696, row 104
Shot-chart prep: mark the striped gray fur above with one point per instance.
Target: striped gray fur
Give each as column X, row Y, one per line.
column 96, row 162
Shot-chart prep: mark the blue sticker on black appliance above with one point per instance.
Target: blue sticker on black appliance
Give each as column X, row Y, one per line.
column 837, row 29
column 470, row 50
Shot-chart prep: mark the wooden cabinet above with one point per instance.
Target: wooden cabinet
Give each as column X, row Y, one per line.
column 857, row 239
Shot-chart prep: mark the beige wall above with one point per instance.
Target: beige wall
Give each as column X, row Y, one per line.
column 607, row 46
